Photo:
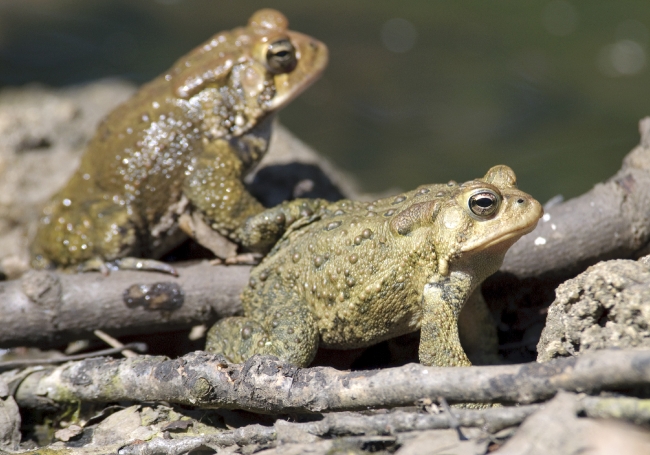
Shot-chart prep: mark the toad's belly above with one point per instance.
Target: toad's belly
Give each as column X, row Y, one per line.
column 354, row 326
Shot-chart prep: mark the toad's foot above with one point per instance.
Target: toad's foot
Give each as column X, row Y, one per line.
column 128, row 263
column 260, row 232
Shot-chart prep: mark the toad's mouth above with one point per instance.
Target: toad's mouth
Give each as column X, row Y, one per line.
column 501, row 238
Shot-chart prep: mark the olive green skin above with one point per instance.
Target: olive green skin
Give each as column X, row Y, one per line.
column 182, row 143
column 357, row 273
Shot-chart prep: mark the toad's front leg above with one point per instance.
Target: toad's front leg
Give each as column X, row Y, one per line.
column 442, row 301
column 214, row 187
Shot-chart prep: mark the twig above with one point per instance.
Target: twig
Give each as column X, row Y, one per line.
column 109, row 340
column 265, row 385
column 12, row 364
column 453, row 421
column 633, row 410
column 344, row 424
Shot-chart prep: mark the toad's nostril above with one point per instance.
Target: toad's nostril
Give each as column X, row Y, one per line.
column 520, row 201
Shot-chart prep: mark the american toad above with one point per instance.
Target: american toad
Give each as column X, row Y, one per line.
column 182, row 143
column 356, row 273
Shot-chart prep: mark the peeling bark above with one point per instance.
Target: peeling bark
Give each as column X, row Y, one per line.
column 266, row 385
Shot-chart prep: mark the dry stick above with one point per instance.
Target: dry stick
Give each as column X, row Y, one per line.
column 490, row 420
column 114, row 343
column 50, row 309
column 22, row 363
column 251, row 434
column 343, row 424
column 633, row 410
column 266, row 385
column 610, row 221
column 454, row 424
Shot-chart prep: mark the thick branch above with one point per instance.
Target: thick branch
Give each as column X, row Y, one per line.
column 270, row 386
column 49, row 308
column 610, row 221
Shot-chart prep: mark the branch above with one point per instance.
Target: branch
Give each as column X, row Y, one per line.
column 49, row 308
column 610, row 221
column 265, row 385
column 624, row 408
column 341, row 424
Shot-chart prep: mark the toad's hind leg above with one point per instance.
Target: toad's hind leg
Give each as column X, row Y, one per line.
column 285, row 329
column 73, row 233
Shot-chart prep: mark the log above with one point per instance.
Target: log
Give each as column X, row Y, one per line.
column 46, row 308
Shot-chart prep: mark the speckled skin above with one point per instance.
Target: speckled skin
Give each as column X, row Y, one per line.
column 356, row 273
column 182, row 142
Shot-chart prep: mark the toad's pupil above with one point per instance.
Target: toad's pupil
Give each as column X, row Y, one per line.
column 483, row 204
column 281, row 56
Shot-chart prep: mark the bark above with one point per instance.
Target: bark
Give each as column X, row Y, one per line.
column 52, row 308
column 266, row 385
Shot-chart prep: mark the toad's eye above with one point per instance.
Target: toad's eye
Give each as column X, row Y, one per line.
column 281, row 56
column 484, row 203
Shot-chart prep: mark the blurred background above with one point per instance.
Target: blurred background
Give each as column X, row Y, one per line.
column 416, row 92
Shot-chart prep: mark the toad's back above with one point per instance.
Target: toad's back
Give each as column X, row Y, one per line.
column 350, row 266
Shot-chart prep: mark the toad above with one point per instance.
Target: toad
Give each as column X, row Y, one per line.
column 181, row 144
column 354, row 273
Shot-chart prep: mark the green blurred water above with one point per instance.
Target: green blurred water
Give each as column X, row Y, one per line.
column 416, row 91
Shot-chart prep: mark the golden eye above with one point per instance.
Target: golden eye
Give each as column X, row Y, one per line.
column 281, row 56
column 484, row 203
